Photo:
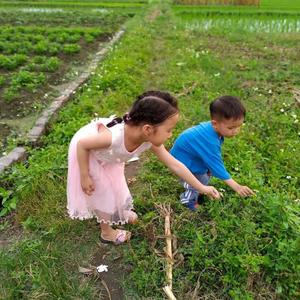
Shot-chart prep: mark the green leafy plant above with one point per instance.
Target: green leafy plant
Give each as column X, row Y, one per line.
column 71, row 48
column 9, row 202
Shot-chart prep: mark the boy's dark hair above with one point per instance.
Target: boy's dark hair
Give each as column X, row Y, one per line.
column 227, row 107
column 152, row 107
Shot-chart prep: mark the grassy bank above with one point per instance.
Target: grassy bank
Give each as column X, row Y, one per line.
column 235, row 248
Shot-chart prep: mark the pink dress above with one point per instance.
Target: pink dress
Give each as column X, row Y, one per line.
column 111, row 200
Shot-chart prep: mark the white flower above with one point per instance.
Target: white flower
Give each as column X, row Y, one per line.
column 102, row 268
column 282, row 110
column 288, row 177
column 270, row 91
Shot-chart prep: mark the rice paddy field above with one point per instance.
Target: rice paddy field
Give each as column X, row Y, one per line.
column 234, row 248
column 42, row 47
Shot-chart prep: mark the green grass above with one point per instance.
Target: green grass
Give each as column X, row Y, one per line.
column 236, row 248
column 280, row 4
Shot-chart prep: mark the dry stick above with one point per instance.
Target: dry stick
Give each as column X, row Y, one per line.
column 166, row 211
column 169, row 292
column 169, row 250
column 93, row 270
column 106, row 287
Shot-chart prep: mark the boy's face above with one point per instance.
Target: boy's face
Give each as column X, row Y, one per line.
column 227, row 127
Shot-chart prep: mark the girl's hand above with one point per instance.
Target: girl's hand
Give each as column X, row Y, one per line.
column 211, row 192
column 87, row 185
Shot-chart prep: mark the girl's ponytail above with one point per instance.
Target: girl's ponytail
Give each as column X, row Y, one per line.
column 118, row 120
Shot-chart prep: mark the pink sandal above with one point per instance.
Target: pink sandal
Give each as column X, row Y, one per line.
column 122, row 237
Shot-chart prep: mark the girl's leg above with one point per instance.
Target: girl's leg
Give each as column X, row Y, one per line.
column 107, row 232
column 131, row 216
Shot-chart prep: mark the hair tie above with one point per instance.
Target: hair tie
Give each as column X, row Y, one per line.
column 114, row 122
column 126, row 117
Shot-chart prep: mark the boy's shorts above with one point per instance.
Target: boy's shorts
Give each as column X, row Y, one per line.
column 189, row 197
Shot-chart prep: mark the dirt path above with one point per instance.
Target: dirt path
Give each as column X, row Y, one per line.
column 112, row 256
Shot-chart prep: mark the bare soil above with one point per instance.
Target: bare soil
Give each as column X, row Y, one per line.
column 112, row 255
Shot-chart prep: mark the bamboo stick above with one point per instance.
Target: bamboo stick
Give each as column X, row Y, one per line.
column 165, row 211
column 169, row 293
column 169, row 250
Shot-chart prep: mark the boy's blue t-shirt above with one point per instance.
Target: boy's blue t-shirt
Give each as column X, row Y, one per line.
column 199, row 149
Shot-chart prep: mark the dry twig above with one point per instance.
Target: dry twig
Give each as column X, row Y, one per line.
column 165, row 211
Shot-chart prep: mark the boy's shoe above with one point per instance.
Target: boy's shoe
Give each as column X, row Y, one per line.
column 200, row 199
column 193, row 206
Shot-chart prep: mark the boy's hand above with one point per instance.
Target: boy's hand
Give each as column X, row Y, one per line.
column 211, row 192
column 244, row 191
column 87, row 185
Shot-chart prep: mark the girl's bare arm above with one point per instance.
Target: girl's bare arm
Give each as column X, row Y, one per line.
column 183, row 172
column 99, row 140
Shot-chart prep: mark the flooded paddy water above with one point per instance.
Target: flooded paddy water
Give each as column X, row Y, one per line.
column 255, row 23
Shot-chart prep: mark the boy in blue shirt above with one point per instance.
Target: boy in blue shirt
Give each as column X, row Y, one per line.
column 199, row 148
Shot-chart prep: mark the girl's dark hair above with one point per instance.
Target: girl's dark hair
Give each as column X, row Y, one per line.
column 152, row 107
column 227, row 107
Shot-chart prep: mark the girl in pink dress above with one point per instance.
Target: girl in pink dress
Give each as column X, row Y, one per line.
column 98, row 151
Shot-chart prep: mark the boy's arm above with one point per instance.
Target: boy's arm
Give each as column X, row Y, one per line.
column 183, row 172
column 242, row 190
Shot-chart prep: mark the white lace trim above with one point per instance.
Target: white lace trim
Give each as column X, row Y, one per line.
column 74, row 215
